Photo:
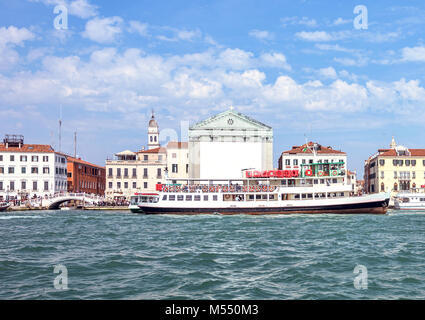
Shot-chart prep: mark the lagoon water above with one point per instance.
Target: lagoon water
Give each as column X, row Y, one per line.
column 119, row 255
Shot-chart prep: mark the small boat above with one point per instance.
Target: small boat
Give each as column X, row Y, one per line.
column 4, row 206
column 411, row 200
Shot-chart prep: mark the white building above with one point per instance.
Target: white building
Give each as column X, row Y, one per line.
column 28, row 170
column 222, row 146
column 140, row 171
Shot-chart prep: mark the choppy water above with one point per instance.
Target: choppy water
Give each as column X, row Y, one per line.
column 119, row 255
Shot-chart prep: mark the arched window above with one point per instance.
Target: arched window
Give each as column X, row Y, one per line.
column 151, row 138
column 382, row 187
column 395, row 186
column 155, row 138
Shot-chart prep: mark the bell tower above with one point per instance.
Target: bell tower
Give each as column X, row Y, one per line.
column 153, row 133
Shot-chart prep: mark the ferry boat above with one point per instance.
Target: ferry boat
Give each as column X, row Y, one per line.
column 4, row 206
column 410, row 200
column 316, row 188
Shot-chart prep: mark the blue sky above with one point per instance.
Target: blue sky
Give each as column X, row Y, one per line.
column 298, row 66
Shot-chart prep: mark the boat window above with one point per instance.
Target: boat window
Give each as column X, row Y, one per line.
column 215, row 197
column 303, row 196
column 422, row 199
column 285, row 196
column 309, row 195
column 258, row 196
column 197, row 198
column 342, row 194
column 205, row 197
column 316, row 181
column 250, row 197
column 334, row 180
column 283, row 182
column 322, row 181
column 264, row 197
column 273, row 197
column 180, row 197
column 172, row 198
column 297, row 197
column 164, row 197
column 188, row 198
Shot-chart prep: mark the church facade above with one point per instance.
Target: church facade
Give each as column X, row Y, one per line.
column 224, row 145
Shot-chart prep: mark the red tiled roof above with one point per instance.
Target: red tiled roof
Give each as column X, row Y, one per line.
column 36, row 148
column 72, row 159
column 156, row 150
column 177, row 145
column 322, row 149
column 392, row 152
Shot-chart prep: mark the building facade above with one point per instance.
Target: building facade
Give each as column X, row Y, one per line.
column 395, row 169
column 139, row 172
column 85, row 177
column 221, row 146
column 311, row 153
column 30, row 170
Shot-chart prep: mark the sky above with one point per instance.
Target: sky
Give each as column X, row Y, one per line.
column 316, row 70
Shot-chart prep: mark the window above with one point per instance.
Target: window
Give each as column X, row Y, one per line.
column 1, row 157
column 126, row 172
column 12, row 158
column 145, row 157
column 174, row 155
column 1, row 170
column 215, row 197
column 395, row 174
column 303, row 161
column 395, row 162
column 395, row 186
column 413, row 162
column 34, row 170
column 110, row 185
column 288, row 162
column 34, row 186
column 180, row 197
column 134, row 172
column 145, row 185
column 34, row 158
column 46, row 185
column 23, row 185
column 382, row 174
column 23, row 170
column 197, row 198
column 110, row 172
column 23, row 158
column 423, row 162
column 119, row 185
column 295, row 162
column 174, row 168
column 164, row 197
column 125, row 185
column 45, row 158
column 187, row 168
column 413, row 174
column 11, row 170
column 145, row 172
column 172, row 197
column 12, row 185
column 119, row 172
column 382, row 187
column 1, row 185
column 205, row 197
column 155, row 138
column 158, row 173
column 160, row 157
column 134, row 185
column 46, row 170
column 381, row 162
column 188, row 197
column 407, row 162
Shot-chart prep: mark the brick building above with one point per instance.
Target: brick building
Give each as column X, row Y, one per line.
column 85, row 177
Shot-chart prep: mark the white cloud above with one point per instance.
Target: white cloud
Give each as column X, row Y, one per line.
column 328, row 72
column 80, row 8
column 340, row 21
column 236, row 59
column 103, row 30
column 413, row 54
column 14, row 36
column 276, row 60
column 138, row 27
column 305, row 21
column 261, row 34
column 180, row 35
column 314, row 36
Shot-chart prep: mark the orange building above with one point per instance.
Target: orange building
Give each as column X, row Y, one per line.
column 85, row 177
